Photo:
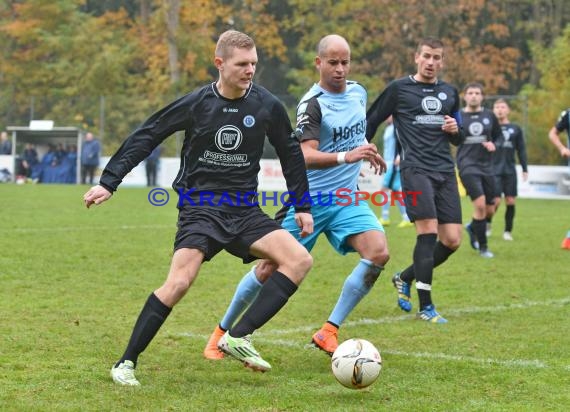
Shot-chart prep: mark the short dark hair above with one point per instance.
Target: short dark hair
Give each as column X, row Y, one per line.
column 432, row 42
column 501, row 100
column 473, row 85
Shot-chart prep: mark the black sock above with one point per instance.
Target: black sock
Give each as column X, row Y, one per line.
column 272, row 296
column 440, row 255
column 151, row 318
column 509, row 218
column 480, row 229
column 408, row 275
column 423, row 267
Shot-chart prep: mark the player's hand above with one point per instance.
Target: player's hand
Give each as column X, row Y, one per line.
column 96, row 195
column 524, row 176
column 368, row 152
column 565, row 152
column 490, row 146
column 305, row 222
column 450, row 125
column 378, row 164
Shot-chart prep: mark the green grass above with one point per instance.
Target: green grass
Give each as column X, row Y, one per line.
column 73, row 281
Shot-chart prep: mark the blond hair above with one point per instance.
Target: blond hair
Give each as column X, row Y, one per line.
column 230, row 40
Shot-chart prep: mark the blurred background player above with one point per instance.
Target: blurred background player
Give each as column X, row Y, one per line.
column 475, row 163
column 562, row 124
column 391, row 180
column 511, row 141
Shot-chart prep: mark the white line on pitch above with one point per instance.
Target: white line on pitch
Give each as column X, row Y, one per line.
column 266, row 336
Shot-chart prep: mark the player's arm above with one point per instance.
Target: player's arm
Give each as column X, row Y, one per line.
column 495, row 134
column 384, row 105
column 316, row 159
column 521, row 153
column 453, row 124
column 554, row 136
column 144, row 139
column 286, row 143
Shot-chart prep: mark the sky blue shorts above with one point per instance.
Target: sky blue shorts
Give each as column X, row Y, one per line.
column 337, row 220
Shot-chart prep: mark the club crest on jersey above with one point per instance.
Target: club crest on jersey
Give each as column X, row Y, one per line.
column 248, row 121
column 431, row 105
column 228, row 138
column 475, row 129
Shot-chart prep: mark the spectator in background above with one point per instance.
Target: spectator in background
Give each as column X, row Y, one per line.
column 30, row 164
column 89, row 158
column 71, row 161
column 151, row 165
column 5, row 144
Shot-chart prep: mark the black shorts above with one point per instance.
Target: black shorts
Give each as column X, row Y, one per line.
column 477, row 186
column 436, row 195
column 506, row 184
column 210, row 230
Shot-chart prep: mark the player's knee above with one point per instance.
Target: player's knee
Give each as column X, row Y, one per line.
column 453, row 242
column 180, row 286
column 264, row 269
column 379, row 256
column 304, row 264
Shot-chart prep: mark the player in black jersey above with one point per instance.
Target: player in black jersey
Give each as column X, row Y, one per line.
column 225, row 126
column 563, row 123
column 475, row 163
column 511, row 141
column 426, row 117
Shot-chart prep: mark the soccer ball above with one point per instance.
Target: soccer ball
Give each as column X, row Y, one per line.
column 356, row 363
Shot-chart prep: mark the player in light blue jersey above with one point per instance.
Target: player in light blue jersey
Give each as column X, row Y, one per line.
column 391, row 181
column 331, row 125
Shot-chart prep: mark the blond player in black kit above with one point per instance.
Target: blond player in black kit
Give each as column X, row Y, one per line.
column 225, row 125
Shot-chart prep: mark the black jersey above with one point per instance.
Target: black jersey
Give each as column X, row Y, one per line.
column 511, row 141
column 223, row 144
column 472, row 157
column 418, row 111
column 563, row 123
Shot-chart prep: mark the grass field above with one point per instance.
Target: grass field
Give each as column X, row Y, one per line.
column 73, row 281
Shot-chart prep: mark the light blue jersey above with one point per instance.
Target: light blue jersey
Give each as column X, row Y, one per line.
column 389, row 140
column 391, row 178
column 338, row 122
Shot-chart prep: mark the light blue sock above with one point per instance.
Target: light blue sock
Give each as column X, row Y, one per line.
column 355, row 287
column 403, row 211
column 386, row 210
column 245, row 293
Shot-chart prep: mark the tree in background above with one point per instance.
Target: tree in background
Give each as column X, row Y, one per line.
column 57, row 58
column 549, row 97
